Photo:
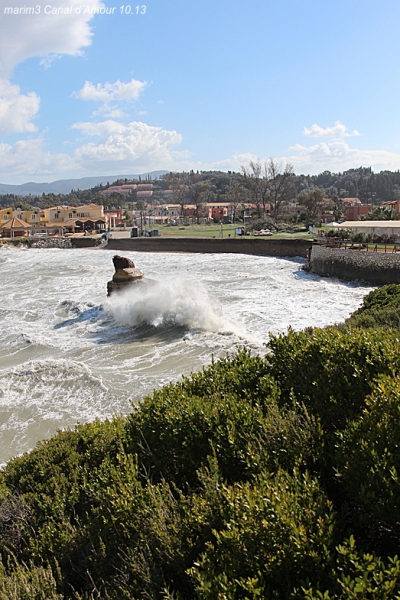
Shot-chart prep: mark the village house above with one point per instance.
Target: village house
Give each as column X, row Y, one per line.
column 115, row 217
column 126, row 189
column 56, row 220
column 393, row 205
column 352, row 212
column 141, row 190
column 15, row 228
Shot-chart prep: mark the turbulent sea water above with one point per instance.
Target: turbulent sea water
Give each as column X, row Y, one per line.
column 69, row 354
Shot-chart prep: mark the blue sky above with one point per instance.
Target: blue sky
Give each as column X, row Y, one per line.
column 202, row 85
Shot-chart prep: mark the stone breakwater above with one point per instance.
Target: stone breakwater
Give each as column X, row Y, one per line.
column 39, row 243
column 52, row 243
column 378, row 268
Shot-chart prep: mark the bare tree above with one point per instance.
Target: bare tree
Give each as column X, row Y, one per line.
column 237, row 196
column 178, row 183
column 250, row 178
column 198, row 194
column 255, row 180
column 280, row 185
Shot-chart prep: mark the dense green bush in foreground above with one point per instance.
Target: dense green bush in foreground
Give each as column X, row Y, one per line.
column 260, row 477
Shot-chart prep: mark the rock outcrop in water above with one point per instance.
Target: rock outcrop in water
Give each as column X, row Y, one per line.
column 126, row 274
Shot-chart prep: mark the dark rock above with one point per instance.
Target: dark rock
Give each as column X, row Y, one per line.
column 125, row 275
column 120, row 262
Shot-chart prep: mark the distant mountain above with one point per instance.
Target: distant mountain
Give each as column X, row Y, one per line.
column 64, row 186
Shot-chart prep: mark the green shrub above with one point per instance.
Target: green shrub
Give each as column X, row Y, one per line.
column 360, row 576
column 270, row 537
column 331, row 372
column 380, row 309
column 28, row 583
column 218, row 410
column 369, row 466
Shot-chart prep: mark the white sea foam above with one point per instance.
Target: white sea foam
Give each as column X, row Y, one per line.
column 41, row 397
column 176, row 301
column 64, row 358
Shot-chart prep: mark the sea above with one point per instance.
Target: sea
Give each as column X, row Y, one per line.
column 69, row 354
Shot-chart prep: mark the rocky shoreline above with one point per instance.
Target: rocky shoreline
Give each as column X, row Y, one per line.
column 64, row 243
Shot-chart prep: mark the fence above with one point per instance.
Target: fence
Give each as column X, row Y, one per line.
column 349, row 245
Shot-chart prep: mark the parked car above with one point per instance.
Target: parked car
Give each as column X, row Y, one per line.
column 263, row 232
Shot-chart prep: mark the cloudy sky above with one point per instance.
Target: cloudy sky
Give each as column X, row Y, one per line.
column 97, row 87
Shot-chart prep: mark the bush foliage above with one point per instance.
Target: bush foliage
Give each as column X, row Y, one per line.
column 273, row 476
column 380, row 309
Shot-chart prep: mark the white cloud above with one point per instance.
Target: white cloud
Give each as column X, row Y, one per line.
column 42, row 34
column 27, row 159
column 16, row 109
column 45, row 35
column 338, row 156
column 338, row 130
column 111, row 92
column 109, row 112
column 135, row 145
column 115, row 147
column 101, row 130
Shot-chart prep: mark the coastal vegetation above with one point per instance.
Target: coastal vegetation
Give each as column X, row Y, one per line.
column 272, row 476
column 380, row 309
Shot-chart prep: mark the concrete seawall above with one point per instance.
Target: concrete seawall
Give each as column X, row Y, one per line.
column 261, row 247
column 84, row 242
column 378, row 268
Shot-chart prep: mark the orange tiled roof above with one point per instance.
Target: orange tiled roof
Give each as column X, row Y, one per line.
column 16, row 223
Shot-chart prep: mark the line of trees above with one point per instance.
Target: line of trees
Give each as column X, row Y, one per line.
column 262, row 184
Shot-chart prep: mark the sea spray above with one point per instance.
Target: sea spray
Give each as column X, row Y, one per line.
column 177, row 301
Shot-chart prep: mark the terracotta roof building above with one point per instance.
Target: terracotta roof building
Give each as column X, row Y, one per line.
column 15, row 228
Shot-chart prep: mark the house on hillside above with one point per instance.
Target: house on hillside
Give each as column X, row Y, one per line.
column 351, row 201
column 126, row 189
column 144, row 194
